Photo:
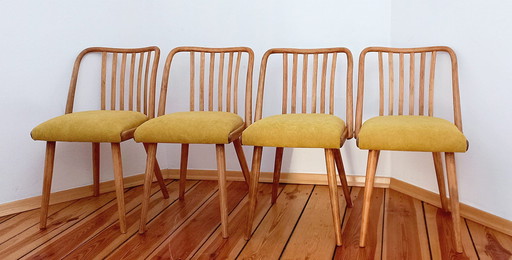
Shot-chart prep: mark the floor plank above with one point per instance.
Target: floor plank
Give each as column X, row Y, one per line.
column 4, row 218
column 489, row 243
column 166, row 223
column 440, row 233
column 352, row 224
column 194, row 232
column 270, row 237
column 314, row 237
column 216, row 247
column 405, row 233
column 109, row 239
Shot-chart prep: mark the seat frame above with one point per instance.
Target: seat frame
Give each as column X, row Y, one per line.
column 373, row 155
column 332, row 156
column 147, row 88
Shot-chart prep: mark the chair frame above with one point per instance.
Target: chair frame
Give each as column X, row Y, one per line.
column 148, row 109
column 232, row 76
column 373, row 155
column 332, row 156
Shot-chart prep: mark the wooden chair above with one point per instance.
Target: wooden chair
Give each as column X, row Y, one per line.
column 419, row 130
column 127, row 102
column 213, row 117
column 311, row 124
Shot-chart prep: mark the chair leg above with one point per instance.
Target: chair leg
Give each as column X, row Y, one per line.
column 159, row 177
column 241, row 159
column 277, row 172
column 438, row 165
column 150, row 164
column 96, row 168
column 183, row 170
column 371, row 167
column 333, row 193
column 253, row 189
column 343, row 177
column 118, row 179
column 221, row 169
column 47, row 182
column 454, row 199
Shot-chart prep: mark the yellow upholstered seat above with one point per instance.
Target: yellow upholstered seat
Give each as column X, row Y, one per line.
column 196, row 127
column 411, row 133
column 89, row 126
column 296, row 130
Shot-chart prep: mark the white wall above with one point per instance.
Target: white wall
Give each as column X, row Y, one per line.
column 41, row 39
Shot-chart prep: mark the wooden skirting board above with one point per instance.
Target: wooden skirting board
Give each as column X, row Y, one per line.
column 474, row 214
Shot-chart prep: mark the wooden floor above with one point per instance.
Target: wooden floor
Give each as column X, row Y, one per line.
column 298, row 226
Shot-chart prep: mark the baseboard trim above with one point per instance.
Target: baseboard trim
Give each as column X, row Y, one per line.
column 474, row 214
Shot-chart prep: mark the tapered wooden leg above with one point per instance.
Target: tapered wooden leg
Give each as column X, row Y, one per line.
column 343, row 177
column 221, row 169
column 241, row 159
column 96, row 168
column 159, row 177
column 438, row 165
column 454, row 199
column 277, row 172
column 150, row 164
column 371, row 167
column 47, row 182
column 333, row 193
column 183, row 169
column 253, row 189
column 118, row 179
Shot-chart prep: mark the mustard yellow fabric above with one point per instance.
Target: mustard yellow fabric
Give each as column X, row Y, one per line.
column 88, row 126
column 296, row 130
column 197, row 127
column 411, row 133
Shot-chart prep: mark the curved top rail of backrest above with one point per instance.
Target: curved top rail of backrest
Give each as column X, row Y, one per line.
column 322, row 79
column 226, row 85
column 141, row 93
column 423, row 53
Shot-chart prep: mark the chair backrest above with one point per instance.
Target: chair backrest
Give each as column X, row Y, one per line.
column 316, row 70
column 128, row 78
column 213, row 86
column 416, row 71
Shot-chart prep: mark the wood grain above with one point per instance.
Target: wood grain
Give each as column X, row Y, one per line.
column 489, row 243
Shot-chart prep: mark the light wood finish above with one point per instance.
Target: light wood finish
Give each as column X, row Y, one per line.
column 159, row 177
column 241, row 159
column 150, row 165
column 278, row 161
column 207, row 104
column 490, row 244
column 342, row 176
column 96, row 168
column 183, row 169
column 423, row 53
column 118, row 179
column 253, row 188
column 47, row 182
column 333, row 194
column 371, row 168
column 454, row 198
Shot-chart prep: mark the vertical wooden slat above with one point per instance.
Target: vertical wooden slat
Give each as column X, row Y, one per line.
column 210, row 81
column 381, row 85
column 401, row 83
column 324, row 80
column 285, row 83
column 201, row 82
column 294, row 83
column 235, row 84
column 121, row 81
column 103, row 79
column 333, row 77
column 304, row 82
column 146, row 85
column 113, row 82
column 192, row 79
column 221, row 79
column 139, row 81
column 230, row 77
column 421, row 94
column 315, row 81
column 411, row 84
column 431, row 84
column 132, row 79
column 391, row 83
